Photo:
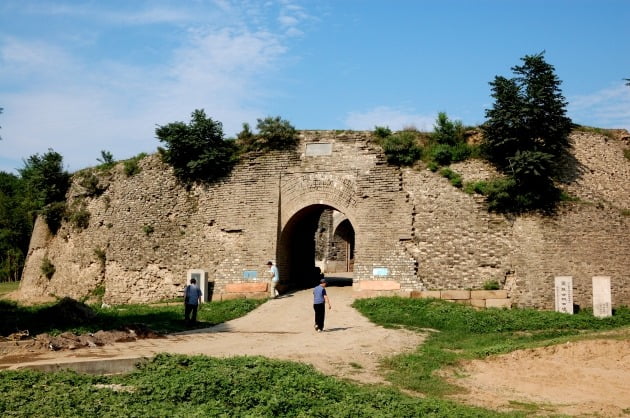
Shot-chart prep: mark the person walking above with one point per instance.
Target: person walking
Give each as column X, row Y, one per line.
column 320, row 299
column 192, row 299
column 275, row 278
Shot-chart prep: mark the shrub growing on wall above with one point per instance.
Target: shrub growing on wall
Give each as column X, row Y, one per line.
column 401, row 148
column 197, row 150
column 274, row 133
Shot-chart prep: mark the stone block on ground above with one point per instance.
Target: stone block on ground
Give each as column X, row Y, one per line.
column 455, row 294
column 498, row 303
column 488, row 294
column 425, row 294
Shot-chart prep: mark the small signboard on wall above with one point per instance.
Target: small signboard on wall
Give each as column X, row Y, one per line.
column 318, row 149
column 380, row 271
column 250, row 274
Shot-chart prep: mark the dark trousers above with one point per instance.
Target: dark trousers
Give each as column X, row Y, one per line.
column 320, row 314
column 188, row 310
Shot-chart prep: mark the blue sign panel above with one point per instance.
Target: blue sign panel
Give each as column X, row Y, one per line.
column 380, row 271
column 250, row 274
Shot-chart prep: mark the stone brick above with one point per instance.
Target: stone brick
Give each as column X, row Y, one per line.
column 498, row 303
column 488, row 294
column 455, row 294
column 425, row 294
column 478, row 303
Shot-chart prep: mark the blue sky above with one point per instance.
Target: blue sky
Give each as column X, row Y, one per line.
column 84, row 76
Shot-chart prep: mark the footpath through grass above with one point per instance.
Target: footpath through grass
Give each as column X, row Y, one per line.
column 458, row 332
column 70, row 315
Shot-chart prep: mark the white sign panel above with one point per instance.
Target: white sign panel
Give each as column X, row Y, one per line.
column 602, row 298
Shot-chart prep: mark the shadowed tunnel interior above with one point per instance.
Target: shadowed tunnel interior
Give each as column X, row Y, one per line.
column 308, row 236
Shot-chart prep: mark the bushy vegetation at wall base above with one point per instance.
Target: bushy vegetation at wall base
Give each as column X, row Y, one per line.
column 461, row 332
column 208, row 387
column 68, row 315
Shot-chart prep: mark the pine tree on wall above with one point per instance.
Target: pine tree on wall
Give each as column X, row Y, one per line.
column 526, row 133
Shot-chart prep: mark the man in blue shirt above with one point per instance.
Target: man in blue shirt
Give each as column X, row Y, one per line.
column 320, row 299
column 192, row 299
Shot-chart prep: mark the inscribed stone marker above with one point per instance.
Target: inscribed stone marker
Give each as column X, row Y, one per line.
column 602, row 298
column 564, row 294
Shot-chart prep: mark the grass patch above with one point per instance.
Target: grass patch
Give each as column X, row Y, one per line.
column 465, row 333
column 599, row 131
column 69, row 315
column 8, row 287
column 174, row 385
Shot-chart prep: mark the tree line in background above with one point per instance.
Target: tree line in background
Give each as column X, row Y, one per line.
column 41, row 185
column 525, row 136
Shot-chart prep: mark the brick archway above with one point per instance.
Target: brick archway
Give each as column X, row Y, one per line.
column 301, row 241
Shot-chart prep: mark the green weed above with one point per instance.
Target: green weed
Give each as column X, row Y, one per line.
column 174, row 385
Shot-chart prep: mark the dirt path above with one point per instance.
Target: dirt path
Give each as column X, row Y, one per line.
column 586, row 378
column 350, row 347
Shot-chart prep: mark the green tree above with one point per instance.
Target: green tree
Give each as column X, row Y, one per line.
column 16, row 224
column 527, row 131
column 197, row 151
column 45, row 179
column 446, row 131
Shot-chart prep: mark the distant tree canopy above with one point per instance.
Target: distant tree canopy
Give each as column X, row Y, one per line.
column 197, row 150
column 525, row 134
column 41, row 186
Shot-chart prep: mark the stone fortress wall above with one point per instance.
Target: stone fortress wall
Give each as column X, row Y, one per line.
column 413, row 230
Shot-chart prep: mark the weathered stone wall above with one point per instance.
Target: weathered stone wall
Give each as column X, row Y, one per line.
column 147, row 230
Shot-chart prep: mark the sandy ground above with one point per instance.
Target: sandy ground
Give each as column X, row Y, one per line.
column 584, row 378
column 590, row 378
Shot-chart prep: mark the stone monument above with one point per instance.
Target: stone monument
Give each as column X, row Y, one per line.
column 602, row 298
column 564, row 294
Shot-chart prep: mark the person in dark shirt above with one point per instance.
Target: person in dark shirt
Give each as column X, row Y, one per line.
column 192, row 299
column 320, row 299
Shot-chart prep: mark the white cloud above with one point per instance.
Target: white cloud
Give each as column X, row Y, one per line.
column 394, row 118
column 609, row 108
column 79, row 106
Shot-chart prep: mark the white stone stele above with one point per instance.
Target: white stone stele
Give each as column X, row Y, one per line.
column 602, row 298
column 201, row 276
column 564, row 294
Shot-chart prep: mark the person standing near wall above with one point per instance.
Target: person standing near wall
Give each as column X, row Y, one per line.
column 320, row 299
column 192, row 299
column 275, row 278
